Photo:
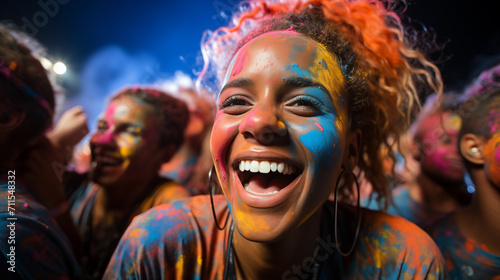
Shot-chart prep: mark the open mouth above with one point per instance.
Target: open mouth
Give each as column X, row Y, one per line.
column 265, row 177
column 106, row 161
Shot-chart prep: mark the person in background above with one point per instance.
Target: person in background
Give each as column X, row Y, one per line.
column 190, row 164
column 469, row 237
column 140, row 129
column 432, row 173
column 34, row 213
column 307, row 92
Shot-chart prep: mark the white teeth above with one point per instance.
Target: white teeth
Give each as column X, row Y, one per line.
column 281, row 167
column 274, row 166
column 254, row 166
column 264, row 167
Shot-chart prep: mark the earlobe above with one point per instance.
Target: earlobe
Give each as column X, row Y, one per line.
column 471, row 147
column 10, row 119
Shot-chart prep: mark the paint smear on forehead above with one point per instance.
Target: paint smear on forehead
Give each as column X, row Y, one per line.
column 453, row 122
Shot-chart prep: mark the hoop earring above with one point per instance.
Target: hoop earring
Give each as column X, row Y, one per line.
column 335, row 201
column 211, row 190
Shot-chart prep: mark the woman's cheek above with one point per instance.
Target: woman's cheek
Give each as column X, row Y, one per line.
column 127, row 145
column 321, row 138
column 223, row 133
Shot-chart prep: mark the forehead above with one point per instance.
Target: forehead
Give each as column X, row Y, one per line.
column 291, row 53
column 451, row 122
column 130, row 109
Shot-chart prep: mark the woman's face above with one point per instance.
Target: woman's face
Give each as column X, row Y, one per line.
column 125, row 148
column 441, row 159
column 492, row 147
column 279, row 134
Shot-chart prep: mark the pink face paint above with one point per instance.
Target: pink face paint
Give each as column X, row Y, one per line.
column 320, row 127
column 249, row 121
column 238, row 65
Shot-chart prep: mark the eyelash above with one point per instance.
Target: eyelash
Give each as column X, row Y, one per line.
column 231, row 100
column 310, row 102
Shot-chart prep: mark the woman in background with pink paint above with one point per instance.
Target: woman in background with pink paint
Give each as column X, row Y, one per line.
column 432, row 170
column 140, row 129
column 470, row 238
column 307, row 91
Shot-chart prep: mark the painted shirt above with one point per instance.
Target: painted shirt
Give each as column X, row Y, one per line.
column 82, row 203
column 180, row 241
column 465, row 258
column 405, row 206
column 41, row 250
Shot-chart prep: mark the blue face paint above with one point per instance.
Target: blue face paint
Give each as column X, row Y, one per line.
column 325, row 65
column 323, row 146
column 296, row 69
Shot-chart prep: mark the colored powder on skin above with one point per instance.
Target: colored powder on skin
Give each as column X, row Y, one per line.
column 283, row 79
column 321, row 146
column 492, row 121
column 295, row 69
column 250, row 222
column 319, row 62
column 320, row 127
column 497, row 155
column 325, row 65
column 249, row 121
column 290, row 29
column 238, row 66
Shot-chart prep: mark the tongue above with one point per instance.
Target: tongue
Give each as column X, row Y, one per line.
column 260, row 183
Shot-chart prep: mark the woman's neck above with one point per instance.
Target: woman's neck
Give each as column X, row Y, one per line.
column 292, row 254
column 431, row 194
column 123, row 198
column 481, row 220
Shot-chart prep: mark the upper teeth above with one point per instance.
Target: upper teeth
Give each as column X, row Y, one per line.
column 266, row 166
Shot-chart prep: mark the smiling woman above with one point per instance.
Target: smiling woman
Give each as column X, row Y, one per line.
column 312, row 89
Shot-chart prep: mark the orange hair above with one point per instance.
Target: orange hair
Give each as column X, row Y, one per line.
column 384, row 74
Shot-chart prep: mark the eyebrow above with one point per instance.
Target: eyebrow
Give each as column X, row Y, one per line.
column 299, row 82
column 290, row 82
column 240, row 82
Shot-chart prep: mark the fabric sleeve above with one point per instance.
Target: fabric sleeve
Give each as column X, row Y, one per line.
column 394, row 248
column 41, row 252
column 155, row 246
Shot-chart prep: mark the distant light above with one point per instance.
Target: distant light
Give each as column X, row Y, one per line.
column 59, row 68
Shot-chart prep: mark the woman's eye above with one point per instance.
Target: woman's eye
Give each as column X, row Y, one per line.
column 235, row 104
column 102, row 128
column 136, row 131
column 304, row 105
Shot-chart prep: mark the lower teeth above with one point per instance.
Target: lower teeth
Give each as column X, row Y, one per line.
column 250, row 191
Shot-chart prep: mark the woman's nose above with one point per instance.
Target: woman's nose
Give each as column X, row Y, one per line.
column 102, row 138
column 263, row 125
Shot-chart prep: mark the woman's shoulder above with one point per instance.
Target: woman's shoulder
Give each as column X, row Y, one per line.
column 169, row 237
column 389, row 245
column 386, row 229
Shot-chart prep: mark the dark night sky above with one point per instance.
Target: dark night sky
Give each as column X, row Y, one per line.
column 157, row 38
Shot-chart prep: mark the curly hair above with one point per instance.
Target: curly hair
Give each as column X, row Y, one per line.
column 476, row 97
column 26, row 86
column 383, row 72
column 173, row 112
